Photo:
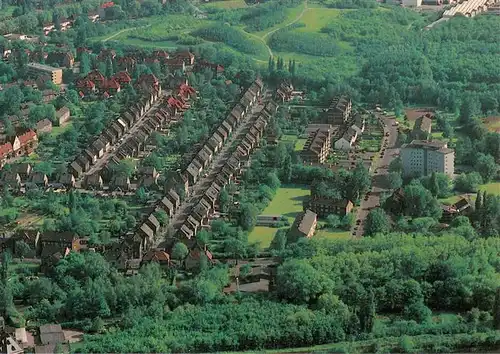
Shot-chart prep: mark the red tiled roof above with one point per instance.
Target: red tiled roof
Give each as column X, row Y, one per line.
column 5, row 149
column 27, row 137
column 150, row 79
column 85, row 83
column 122, row 77
column 95, row 75
column 161, row 54
column 107, row 4
column 110, row 84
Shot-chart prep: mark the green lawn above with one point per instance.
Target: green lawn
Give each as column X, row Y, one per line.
column 287, row 202
column 450, row 200
column 61, row 129
column 292, row 14
column 333, row 235
column 493, row 188
column 226, row 4
column 317, row 18
column 262, row 234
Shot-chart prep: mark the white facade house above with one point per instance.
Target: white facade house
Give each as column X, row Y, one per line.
column 347, row 140
column 422, row 158
column 358, row 124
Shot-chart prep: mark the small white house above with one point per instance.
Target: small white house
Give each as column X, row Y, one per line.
column 358, row 124
column 347, row 140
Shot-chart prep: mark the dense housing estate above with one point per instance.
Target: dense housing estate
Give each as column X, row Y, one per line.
column 318, row 145
column 422, row 157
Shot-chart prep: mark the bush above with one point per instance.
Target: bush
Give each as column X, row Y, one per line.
column 286, row 40
column 230, row 36
column 468, row 183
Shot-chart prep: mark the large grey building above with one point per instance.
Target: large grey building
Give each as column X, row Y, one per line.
column 421, row 158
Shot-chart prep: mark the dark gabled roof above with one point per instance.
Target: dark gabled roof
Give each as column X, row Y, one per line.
column 53, row 236
column 165, row 202
column 423, row 123
column 147, row 230
column 154, row 221
column 304, row 221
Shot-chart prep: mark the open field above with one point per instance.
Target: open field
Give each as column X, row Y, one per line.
column 493, row 124
column 493, row 188
column 263, row 235
column 287, row 202
column 226, row 4
column 292, row 15
column 316, row 18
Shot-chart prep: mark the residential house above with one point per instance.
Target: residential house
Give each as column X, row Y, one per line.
column 195, row 257
column 177, row 181
column 303, row 226
column 358, row 123
column 284, row 92
column 174, row 198
column 24, row 143
column 80, row 165
column 157, row 256
column 63, row 115
column 193, row 172
column 23, row 169
column 66, row 239
column 6, row 152
column 204, row 156
column 44, row 126
column 93, row 181
column 167, row 206
column 238, row 112
column 270, row 220
column 340, row 110
column 212, row 196
column 121, row 183
column 68, row 180
column 227, row 127
column 193, row 223
column 147, row 235
column 98, row 147
column 148, row 83
column 39, row 179
column 215, row 142
column 347, row 140
column 110, row 86
column 271, row 107
column 186, row 56
column 317, row 146
column 185, row 232
column 11, row 180
column 323, row 206
column 85, row 87
column 461, row 208
column 153, row 223
column 201, row 211
column 96, row 77
column 123, row 78
column 422, row 127
column 51, row 334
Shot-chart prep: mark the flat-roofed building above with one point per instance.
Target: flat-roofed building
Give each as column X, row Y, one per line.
column 40, row 69
column 422, row 158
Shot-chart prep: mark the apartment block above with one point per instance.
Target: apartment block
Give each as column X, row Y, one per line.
column 40, row 69
column 422, row 158
column 318, row 145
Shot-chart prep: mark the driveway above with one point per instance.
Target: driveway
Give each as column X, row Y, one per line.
column 380, row 171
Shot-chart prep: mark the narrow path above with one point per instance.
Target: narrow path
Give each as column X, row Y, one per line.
column 263, row 38
column 306, row 8
column 122, row 31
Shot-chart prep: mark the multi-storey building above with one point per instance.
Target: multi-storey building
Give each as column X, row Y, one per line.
column 421, row 158
column 318, row 145
column 40, row 69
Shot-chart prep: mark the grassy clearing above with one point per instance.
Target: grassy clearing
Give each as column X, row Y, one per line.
column 292, row 14
column 61, row 129
column 315, row 19
column 263, row 235
column 333, row 235
column 450, row 200
column 492, row 123
column 493, row 188
column 287, row 202
column 226, row 4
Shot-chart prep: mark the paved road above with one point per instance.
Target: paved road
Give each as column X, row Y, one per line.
column 213, row 169
column 380, row 170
